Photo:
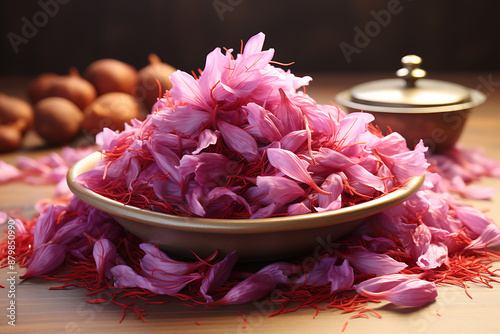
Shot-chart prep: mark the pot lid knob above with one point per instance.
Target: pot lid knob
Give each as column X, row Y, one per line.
column 411, row 71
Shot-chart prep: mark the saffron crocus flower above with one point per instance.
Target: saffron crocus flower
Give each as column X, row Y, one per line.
column 402, row 290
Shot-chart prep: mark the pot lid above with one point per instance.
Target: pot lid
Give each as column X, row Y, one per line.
column 411, row 89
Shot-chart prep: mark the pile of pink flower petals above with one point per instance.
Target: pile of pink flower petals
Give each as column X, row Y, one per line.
column 240, row 140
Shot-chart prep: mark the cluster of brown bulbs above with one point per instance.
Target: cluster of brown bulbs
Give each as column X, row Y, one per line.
column 109, row 94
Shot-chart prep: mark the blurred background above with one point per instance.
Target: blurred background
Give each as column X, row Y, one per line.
column 327, row 36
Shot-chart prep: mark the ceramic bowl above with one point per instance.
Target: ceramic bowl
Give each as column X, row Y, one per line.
column 253, row 239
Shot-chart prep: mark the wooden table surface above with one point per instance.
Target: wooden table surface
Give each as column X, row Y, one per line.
column 39, row 310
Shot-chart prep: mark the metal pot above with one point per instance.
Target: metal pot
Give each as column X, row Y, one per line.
column 418, row 108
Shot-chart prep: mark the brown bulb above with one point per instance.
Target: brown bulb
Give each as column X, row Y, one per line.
column 111, row 110
column 111, row 75
column 10, row 138
column 153, row 81
column 57, row 120
column 72, row 87
column 16, row 111
column 38, row 88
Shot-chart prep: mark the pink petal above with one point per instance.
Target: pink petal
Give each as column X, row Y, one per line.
column 125, row 277
column 332, row 159
column 289, row 114
column 256, row 286
column 258, row 117
column 471, row 191
column 372, row 263
column 264, row 212
column 45, row 259
column 334, row 185
column 194, row 198
column 71, row 230
column 474, row 220
column 4, row 217
column 318, row 275
column 417, row 241
column 392, row 144
column 46, row 225
column 363, row 181
column 208, row 168
column 72, row 155
column 379, row 244
column 352, row 130
column 156, row 262
column 288, row 163
column 238, row 140
column 220, row 198
column 166, row 160
column 174, row 142
column 207, row 137
column 186, row 89
column 30, row 165
column 402, row 290
column 182, row 119
column 435, row 256
column 293, row 140
column 341, row 277
column 218, row 275
column 254, row 44
column 275, row 189
column 8, row 172
column 62, row 189
column 490, row 237
column 104, row 253
column 411, row 163
column 298, row 209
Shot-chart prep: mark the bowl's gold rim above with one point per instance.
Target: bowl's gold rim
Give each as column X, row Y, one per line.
column 212, row 225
